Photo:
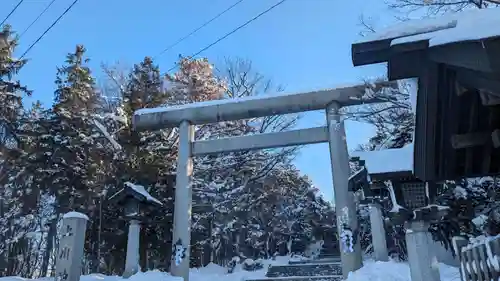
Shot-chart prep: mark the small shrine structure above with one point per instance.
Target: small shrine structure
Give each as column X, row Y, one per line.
column 137, row 203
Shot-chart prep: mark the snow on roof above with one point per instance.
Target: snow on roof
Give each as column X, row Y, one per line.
column 76, row 215
column 140, row 189
column 468, row 25
column 387, row 160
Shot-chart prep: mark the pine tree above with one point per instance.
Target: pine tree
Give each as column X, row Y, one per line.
column 149, row 158
column 14, row 203
column 65, row 152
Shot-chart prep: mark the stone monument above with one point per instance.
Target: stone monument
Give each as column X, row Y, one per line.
column 69, row 258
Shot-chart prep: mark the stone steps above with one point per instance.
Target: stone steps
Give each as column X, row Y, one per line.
column 326, row 269
column 302, row 278
column 309, row 269
column 328, row 256
column 333, row 259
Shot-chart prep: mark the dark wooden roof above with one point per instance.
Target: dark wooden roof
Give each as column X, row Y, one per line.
column 126, row 192
column 458, row 102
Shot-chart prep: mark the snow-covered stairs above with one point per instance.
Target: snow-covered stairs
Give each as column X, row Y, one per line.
column 321, row 259
column 311, row 269
column 302, row 278
column 328, row 269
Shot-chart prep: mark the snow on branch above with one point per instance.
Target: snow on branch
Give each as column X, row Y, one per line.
column 104, row 131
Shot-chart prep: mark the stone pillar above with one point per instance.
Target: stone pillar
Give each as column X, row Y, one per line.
column 182, row 205
column 378, row 233
column 132, row 258
column 345, row 206
column 423, row 262
column 69, row 260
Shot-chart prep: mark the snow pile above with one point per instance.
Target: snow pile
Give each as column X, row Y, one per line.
column 395, row 271
column 371, row 271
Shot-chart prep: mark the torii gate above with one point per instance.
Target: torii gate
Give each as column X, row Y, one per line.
column 185, row 116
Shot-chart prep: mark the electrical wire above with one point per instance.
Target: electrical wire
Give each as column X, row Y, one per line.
column 37, row 18
column 232, row 32
column 198, row 29
column 49, row 28
column 11, row 12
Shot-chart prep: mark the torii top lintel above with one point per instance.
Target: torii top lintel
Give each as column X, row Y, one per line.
column 254, row 107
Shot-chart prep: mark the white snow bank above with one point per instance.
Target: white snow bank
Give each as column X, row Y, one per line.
column 387, row 160
column 140, row 189
column 210, row 272
column 468, row 25
column 395, row 271
column 371, row 271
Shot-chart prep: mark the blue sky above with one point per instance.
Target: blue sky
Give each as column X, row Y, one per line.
column 302, row 44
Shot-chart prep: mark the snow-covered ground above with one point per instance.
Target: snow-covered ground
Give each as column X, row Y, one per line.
column 396, row 271
column 372, row 271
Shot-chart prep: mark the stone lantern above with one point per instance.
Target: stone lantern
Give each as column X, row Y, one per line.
column 136, row 202
column 392, row 180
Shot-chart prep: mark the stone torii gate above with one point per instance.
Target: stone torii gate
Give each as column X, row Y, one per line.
column 186, row 116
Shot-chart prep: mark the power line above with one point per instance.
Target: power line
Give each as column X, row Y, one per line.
column 37, row 18
column 49, row 28
column 11, row 12
column 232, row 32
column 197, row 29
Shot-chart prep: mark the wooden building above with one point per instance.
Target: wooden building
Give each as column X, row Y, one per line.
column 456, row 59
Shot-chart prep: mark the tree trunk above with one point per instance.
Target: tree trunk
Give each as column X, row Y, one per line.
column 50, row 246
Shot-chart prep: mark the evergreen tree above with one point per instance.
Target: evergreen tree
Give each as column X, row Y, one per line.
column 15, row 213
column 66, row 153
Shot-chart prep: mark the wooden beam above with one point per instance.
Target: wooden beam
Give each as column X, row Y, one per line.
column 451, row 112
column 487, row 149
column 397, row 65
column 459, row 89
column 469, row 55
column 478, row 80
column 425, row 123
column 487, row 99
column 495, row 137
column 364, row 53
column 461, row 141
column 492, row 47
column 472, row 126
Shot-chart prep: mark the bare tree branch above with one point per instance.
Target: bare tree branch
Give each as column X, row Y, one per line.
column 244, row 81
column 436, row 7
